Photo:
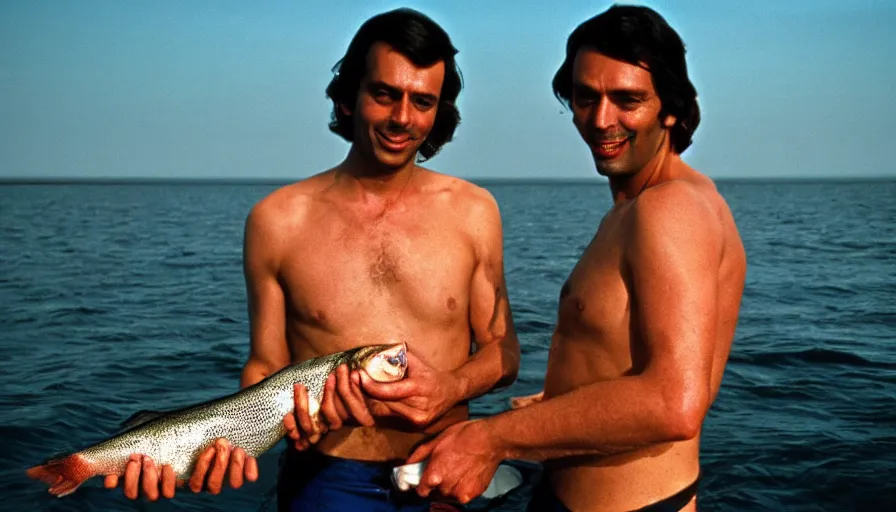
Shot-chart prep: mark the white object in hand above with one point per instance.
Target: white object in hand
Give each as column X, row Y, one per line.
column 505, row 480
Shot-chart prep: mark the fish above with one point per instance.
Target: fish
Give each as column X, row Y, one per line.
column 251, row 419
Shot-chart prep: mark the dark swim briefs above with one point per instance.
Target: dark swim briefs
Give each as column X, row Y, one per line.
column 544, row 500
column 313, row 482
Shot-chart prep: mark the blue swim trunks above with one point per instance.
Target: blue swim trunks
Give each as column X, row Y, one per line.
column 313, row 482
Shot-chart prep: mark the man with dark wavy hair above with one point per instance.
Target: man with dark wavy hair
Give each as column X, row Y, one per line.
column 647, row 316
column 375, row 250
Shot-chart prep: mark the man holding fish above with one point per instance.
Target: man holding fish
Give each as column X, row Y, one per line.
column 375, row 250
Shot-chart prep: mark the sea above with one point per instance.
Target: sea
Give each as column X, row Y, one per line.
column 117, row 297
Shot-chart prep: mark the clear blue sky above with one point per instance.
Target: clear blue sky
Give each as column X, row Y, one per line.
column 233, row 89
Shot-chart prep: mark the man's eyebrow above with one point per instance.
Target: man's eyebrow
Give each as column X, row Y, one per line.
column 379, row 84
column 620, row 91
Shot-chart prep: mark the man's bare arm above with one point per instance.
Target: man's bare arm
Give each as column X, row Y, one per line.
column 673, row 263
column 268, row 350
column 497, row 358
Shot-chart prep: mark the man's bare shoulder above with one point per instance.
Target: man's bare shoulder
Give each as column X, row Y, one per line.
column 693, row 197
column 676, row 217
column 473, row 202
column 288, row 206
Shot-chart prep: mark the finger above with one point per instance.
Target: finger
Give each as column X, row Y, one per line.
column 337, row 401
column 353, row 401
column 292, row 429
column 463, row 493
column 387, row 390
column 110, row 482
column 428, row 481
column 197, row 479
column 318, row 429
column 150, row 479
column 216, row 476
column 378, row 408
column 304, row 420
column 422, row 452
column 251, row 469
column 132, row 477
column 328, row 404
column 413, row 414
column 169, row 481
column 237, row 467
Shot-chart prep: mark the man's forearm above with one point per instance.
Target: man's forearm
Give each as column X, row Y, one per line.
column 494, row 365
column 254, row 372
column 603, row 418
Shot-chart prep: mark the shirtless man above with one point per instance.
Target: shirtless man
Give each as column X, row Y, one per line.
column 647, row 316
column 374, row 250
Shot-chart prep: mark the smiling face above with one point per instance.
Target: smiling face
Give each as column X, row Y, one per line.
column 617, row 112
column 395, row 109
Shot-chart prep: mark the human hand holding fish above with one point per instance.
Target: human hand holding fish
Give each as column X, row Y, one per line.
column 423, row 396
column 342, row 403
column 142, row 473
column 185, row 442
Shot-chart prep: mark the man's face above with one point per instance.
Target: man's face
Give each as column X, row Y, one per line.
column 616, row 111
column 395, row 108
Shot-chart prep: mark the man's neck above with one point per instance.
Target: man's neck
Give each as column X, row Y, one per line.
column 658, row 170
column 359, row 180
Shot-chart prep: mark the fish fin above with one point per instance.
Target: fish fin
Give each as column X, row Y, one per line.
column 63, row 475
column 141, row 417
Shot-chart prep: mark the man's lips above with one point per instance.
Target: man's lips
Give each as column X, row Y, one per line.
column 394, row 142
column 610, row 148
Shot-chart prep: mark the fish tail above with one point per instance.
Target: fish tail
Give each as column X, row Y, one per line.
column 63, row 475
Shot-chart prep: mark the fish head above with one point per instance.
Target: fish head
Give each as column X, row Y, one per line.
column 384, row 363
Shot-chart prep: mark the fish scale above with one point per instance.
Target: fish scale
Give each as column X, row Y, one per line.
column 251, row 419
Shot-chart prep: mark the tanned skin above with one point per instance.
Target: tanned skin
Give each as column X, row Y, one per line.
column 645, row 323
column 375, row 250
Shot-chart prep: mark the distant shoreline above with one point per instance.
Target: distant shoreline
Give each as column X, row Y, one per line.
column 480, row 181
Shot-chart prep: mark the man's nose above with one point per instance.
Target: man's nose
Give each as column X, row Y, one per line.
column 604, row 114
column 401, row 112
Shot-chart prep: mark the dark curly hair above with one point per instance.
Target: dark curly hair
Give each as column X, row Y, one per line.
column 640, row 36
column 421, row 40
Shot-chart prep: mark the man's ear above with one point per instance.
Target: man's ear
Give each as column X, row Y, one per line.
column 669, row 121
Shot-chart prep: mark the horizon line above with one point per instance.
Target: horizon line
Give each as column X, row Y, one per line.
column 596, row 180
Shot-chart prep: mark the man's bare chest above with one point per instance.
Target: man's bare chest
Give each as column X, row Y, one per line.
column 352, row 272
column 594, row 298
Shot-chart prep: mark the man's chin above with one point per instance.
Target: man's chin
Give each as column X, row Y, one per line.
column 394, row 161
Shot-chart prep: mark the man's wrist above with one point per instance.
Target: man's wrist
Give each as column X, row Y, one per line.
column 461, row 387
column 490, row 430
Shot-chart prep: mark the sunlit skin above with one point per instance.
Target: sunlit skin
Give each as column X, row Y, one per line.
column 395, row 110
column 645, row 323
column 374, row 250
column 617, row 112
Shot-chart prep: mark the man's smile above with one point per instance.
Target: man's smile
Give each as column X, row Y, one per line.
column 396, row 142
column 610, row 148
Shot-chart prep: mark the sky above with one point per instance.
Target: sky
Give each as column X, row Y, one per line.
column 232, row 89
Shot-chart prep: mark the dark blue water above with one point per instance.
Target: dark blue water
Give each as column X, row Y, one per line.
column 115, row 298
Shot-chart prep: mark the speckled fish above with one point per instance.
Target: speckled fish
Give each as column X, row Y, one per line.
column 251, row 418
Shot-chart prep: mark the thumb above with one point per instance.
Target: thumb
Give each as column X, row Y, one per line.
column 422, row 452
column 386, row 390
